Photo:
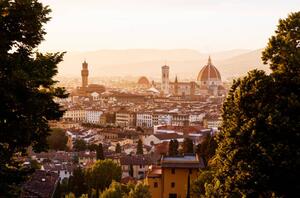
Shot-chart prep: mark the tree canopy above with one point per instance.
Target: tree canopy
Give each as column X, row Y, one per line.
column 173, row 147
column 99, row 152
column 118, row 148
column 188, row 145
column 139, row 150
column 258, row 152
column 79, row 145
column 107, row 170
column 26, row 85
column 57, row 140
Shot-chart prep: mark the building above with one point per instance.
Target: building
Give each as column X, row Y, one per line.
column 144, row 119
column 143, row 82
column 159, row 138
column 209, row 78
column 87, row 89
column 160, row 118
column 93, row 116
column 40, row 184
column 208, row 83
column 165, row 82
column 135, row 166
column 173, row 177
column 77, row 115
column 125, row 118
column 212, row 121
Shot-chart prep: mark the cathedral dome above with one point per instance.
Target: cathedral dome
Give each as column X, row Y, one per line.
column 143, row 81
column 209, row 73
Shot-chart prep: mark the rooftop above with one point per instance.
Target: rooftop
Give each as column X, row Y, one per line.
column 187, row 161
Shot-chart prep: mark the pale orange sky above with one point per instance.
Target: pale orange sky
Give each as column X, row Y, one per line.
column 204, row 25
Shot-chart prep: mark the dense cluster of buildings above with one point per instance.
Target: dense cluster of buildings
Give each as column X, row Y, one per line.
column 154, row 113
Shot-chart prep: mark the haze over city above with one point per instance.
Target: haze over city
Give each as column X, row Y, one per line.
column 206, row 27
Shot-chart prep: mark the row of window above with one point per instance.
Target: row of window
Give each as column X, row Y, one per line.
column 156, row 185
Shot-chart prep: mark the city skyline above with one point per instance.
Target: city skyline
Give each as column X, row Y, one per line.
column 206, row 26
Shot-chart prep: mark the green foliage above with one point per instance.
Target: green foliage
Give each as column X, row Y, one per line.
column 77, row 182
column 107, row 170
column 198, row 185
column 114, row 191
column 79, row 145
column 173, row 148
column 92, row 147
column 140, row 191
column 139, row 150
column 118, row 148
column 26, row 85
column 259, row 153
column 99, row 152
column 188, row 145
column 70, row 195
column 35, row 164
column 207, row 148
column 57, row 140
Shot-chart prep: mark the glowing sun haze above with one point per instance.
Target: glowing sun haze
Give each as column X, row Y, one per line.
column 204, row 25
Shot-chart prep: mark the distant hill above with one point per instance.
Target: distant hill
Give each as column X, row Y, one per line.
column 185, row 63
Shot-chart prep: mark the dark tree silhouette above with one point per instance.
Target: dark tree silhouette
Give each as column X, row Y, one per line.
column 26, row 85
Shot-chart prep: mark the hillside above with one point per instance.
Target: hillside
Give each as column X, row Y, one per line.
column 185, row 63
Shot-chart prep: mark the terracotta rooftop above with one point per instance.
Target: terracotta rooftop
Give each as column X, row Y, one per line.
column 182, row 162
column 154, row 171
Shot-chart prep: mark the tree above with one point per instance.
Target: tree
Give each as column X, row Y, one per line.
column 188, row 145
column 79, row 145
column 117, row 190
column 92, row 147
column 57, row 139
column 77, row 182
column 107, row 170
column 140, row 191
column 258, row 150
column 118, row 148
column 26, row 85
column 207, row 149
column 173, row 148
column 139, row 150
column 35, row 164
column 198, row 185
column 99, row 152
column 114, row 191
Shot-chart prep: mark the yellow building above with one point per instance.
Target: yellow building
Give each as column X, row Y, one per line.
column 172, row 178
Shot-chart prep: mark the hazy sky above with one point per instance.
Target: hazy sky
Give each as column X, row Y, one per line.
column 204, row 25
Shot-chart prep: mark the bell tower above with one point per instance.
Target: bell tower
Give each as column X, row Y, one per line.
column 165, row 87
column 84, row 74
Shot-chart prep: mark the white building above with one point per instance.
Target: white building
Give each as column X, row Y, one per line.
column 78, row 115
column 144, row 119
column 93, row 116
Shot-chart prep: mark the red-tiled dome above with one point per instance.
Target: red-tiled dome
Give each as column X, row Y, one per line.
column 143, row 81
column 209, row 72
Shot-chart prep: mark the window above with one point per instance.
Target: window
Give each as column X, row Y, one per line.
column 155, row 184
column 172, row 195
column 173, row 184
column 173, row 170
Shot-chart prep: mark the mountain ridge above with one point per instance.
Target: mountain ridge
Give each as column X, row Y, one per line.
column 186, row 63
